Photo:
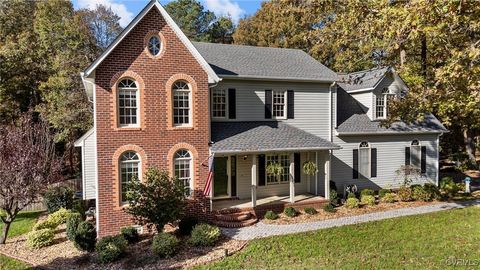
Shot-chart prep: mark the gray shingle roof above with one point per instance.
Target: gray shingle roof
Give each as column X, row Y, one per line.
column 229, row 137
column 263, row 62
column 362, row 79
column 351, row 119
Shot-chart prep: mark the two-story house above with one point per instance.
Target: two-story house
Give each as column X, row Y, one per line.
column 161, row 100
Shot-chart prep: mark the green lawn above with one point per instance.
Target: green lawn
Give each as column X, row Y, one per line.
column 22, row 224
column 415, row 242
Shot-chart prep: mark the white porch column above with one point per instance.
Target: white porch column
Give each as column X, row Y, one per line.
column 254, row 180
column 292, row 177
column 317, row 173
column 328, row 164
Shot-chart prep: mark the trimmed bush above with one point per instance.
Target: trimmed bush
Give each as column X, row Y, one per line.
column 351, row 195
column 329, row 208
column 333, row 197
column 85, row 236
column 40, row 238
column 80, row 206
column 310, row 210
column 389, row 198
column 405, row 194
column 290, row 212
column 367, row 192
column 130, row 234
column 382, row 192
column 58, row 197
column 433, row 190
column 352, row 203
column 419, row 194
column 368, row 200
column 204, row 235
column 60, row 216
column 73, row 220
column 164, row 244
column 448, row 187
column 186, row 224
column 110, row 248
column 46, row 224
column 271, row 215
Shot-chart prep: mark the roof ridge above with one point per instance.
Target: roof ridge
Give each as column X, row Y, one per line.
column 251, row 46
column 367, row 70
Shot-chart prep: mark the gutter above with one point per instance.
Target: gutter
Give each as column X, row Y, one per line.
column 275, row 150
column 268, row 78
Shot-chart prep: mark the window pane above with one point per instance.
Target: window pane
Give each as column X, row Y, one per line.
column 181, row 103
column 284, row 161
column 364, row 161
column 278, row 104
column 219, row 107
column 182, row 164
column 154, row 45
column 128, row 170
column 127, row 102
column 415, row 155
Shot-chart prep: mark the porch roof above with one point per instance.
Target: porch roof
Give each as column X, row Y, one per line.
column 264, row 136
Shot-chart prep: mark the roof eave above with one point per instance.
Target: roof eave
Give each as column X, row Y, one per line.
column 302, row 149
column 389, row 133
column 269, row 78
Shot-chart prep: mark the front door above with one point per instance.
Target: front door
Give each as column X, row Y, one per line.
column 220, row 178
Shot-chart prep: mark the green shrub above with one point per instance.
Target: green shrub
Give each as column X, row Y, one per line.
column 80, row 206
column 310, row 210
column 110, row 248
column 290, row 212
column 186, row 224
column 85, row 236
column 448, row 187
column 382, row 192
column 40, row 238
column 164, row 244
column 405, row 194
column 59, row 216
column 204, row 235
column 351, row 195
column 352, row 203
column 419, row 194
column 58, row 197
column 333, row 197
column 130, row 234
column 367, row 192
column 368, row 200
column 329, row 208
column 271, row 215
column 389, row 198
column 433, row 190
column 73, row 220
column 45, row 224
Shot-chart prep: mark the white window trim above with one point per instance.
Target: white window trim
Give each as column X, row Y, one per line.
column 369, row 166
column 285, row 104
column 277, row 182
column 419, row 154
column 137, row 97
column 190, row 105
column 190, row 166
column 226, row 104
column 140, row 173
column 384, row 95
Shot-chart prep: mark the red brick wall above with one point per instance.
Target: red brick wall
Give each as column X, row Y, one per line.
column 155, row 138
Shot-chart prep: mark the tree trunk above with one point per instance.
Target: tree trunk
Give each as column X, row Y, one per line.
column 469, row 141
column 6, row 227
column 403, row 57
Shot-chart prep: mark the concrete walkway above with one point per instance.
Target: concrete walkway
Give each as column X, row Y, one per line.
column 261, row 230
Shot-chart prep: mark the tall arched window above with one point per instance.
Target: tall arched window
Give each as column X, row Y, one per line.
column 364, row 160
column 415, row 155
column 183, row 169
column 182, row 104
column 128, row 97
column 129, row 170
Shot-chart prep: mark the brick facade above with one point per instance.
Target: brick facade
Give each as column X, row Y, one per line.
column 156, row 139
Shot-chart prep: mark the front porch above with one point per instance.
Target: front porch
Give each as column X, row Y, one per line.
column 267, row 202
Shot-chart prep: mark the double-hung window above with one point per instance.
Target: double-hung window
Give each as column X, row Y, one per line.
column 279, row 104
column 381, row 104
column 129, row 171
column 182, row 102
column 415, row 154
column 364, row 159
column 219, row 103
column 183, row 170
column 128, row 111
column 284, row 161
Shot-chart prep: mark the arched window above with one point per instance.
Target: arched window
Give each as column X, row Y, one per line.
column 129, row 170
column 415, row 154
column 128, row 111
column 183, row 169
column 154, row 45
column 182, row 104
column 381, row 104
column 364, row 160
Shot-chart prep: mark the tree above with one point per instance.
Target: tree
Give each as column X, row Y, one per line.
column 28, row 164
column 191, row 17
column 157, row 200
column 221, row 31
column 103, row 23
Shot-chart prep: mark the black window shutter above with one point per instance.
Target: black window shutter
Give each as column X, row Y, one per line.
column 268, row 104
column 355, row 163
column 373, row 170
column 296, row 160
column 261, row 170
column 290, row 104
column 424, row 159
column 232, row 104
column 407, row 156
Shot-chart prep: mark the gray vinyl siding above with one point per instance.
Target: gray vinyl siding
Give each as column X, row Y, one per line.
column 393, row 85
column 311, row 103
column 390, row 157
column 366, row 101
column 89, row 172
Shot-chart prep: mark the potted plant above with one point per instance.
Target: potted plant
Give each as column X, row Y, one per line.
column 274, row 169
column 310, row 168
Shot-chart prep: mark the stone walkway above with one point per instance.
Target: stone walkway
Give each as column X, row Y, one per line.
column 261, row 230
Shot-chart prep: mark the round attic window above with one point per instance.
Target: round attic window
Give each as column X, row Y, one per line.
column 154, row 45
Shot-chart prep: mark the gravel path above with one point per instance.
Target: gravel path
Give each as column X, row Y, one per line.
column 261, row 230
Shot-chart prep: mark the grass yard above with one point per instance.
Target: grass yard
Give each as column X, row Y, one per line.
column 22, row 224
column 415, row 242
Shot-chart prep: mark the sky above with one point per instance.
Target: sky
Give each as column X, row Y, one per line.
column 128, row 9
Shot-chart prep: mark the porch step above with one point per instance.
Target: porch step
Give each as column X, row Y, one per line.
column 235, row 220
column 233, row 217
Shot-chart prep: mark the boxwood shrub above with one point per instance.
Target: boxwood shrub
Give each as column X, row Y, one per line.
column 204, row 235
column 419, row 194
column 110, row 248
column 164, row 244
column 382, row 192
column 367, row 192
column 290, row 212
column 271, row 215
column 329, row 208
column 433, row 190
column 73, row 220
column 310, row 210
column 45, row 224
column 389, row 198
column 405, row 194
column 368, row 200
column 130, row 234
column 58, row 197
column 352, row 203
column 40, row 238
column 85, row 236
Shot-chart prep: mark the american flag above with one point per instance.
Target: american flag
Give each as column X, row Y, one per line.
column 208, row 185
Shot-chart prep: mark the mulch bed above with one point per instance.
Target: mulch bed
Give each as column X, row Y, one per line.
column 63, row 255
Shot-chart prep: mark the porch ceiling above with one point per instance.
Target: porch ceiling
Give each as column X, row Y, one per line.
column 253, row 137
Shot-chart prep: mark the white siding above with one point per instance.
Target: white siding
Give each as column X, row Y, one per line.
column 88, row 165
column 390, row 157
column 311, row 103
column 366, row 101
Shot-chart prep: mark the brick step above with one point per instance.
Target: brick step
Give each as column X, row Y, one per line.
column 236, row 224
column 233, row 216
column 228, row 211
